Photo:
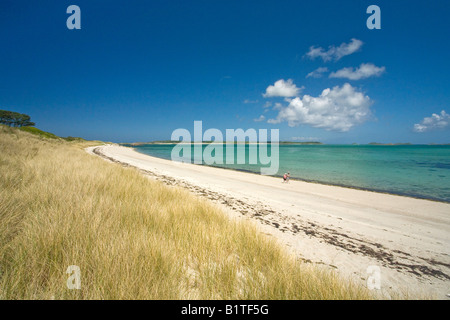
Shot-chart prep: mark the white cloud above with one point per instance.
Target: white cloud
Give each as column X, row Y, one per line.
column 364, row 71
column 317, row 73
column 335, row 53
column 436, row 121
column 277, row 106
column 282, row 88
column 268, row 104
column 338, row 109
column 250, row 101
column 261, row 118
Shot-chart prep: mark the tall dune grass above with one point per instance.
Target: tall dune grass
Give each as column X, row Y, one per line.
column 131, row 237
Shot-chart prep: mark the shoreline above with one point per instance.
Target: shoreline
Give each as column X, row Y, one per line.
column 400, row 194
column 345, row 229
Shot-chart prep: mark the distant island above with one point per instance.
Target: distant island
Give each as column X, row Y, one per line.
column 406, row 144
column 390, row 144
column 208, row 142
column 162, row 142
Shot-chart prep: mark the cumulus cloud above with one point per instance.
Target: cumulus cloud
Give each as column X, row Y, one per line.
column 364, row 71
column 335, row 53
column 435, row 122
column 261, row 118
column 317, row 73
column 282, row 88
column 337, row 109
column 278, row 106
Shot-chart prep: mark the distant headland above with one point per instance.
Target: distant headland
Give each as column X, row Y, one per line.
column 209, row 142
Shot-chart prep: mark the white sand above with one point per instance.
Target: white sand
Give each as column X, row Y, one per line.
column 342, row 228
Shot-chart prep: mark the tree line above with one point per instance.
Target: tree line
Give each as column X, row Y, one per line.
column 15, row 119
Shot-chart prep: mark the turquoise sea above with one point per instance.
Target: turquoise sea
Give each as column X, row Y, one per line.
column 421, row 171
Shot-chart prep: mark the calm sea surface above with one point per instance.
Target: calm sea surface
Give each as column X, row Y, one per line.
column 421, row 171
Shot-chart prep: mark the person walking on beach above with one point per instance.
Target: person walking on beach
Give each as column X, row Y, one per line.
column 285, row 177
column 288, row 176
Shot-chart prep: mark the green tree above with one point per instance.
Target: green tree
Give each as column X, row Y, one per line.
column 15, row 119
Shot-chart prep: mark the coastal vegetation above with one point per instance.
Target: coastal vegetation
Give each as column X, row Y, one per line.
column 39, row 132
column 131, row 237
column 48, row 135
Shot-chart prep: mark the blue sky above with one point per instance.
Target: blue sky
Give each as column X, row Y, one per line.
column 137, row 70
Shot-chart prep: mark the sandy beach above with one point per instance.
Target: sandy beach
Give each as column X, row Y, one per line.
column 345, row 229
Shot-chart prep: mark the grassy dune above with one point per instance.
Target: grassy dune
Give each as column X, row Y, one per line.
column 131, row 237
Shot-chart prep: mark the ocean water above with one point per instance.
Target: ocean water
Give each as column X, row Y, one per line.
column 421, row 171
